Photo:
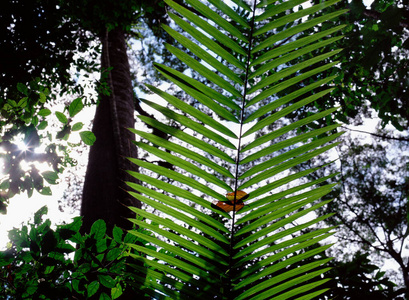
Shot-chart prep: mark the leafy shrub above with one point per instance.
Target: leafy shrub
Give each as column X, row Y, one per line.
column 46, row 263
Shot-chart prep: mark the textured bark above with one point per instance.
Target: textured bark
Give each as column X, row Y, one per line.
column 104, row 196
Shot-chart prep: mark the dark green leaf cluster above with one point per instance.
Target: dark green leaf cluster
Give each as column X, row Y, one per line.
column 359, row 279
column 61, row 263
column 99, row 16
column 373, row 65
column 37, row 41
column 26, row 121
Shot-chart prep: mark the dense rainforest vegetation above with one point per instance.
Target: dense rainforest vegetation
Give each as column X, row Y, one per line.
column 235, row 178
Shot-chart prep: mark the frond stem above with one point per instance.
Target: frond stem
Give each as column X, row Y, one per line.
column 243, row 104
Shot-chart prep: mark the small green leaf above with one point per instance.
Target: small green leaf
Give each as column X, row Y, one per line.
column 12, row 103
column 34, row 121
column 43, row 97
column 22, row 103
column 106, row 281
column 77, row 126
column 50, row 176
column 39, row 214
column 30, row 289
column 75, row 107
column 42, row 125
column 129, row 238
column 68, row 230
column 46, row 191
column 61, row 117
column 116, row 292
column 98, row 229
column 88, row 137
column 84, row 268
column 78, row 255
column 113, row 254
column 101, row 245
column 4, row 185
column 48, row 244
column 22, row 88
column 104, row 296
column 117, row 234
column 92, row 288
column 75, row 285
column 44, row 112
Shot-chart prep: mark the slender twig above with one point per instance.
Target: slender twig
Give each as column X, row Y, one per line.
column 379, row 135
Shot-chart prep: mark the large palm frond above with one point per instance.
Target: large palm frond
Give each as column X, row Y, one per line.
column 268, row 249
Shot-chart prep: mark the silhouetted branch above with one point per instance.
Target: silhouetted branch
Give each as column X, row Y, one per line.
column 379, row 135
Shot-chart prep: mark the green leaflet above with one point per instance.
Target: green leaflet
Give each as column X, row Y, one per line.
column 280, row 235
column 175, row 208
column 188, row 268
column 276, row 9
column 200, row 87
column 292, row 55
column 291, row 273
column 183, row 164
column 243, row 67
column 191, row 124
column 181, row 241
column 274, row 134
column 200, row 216
column 296, row 29
column 288, row 142
column 218, row 19
column 187, row 138
column 277, row 225
column 229, row 12
column 180, row 229
column 271, row 198
column 205, row 41
column 295, row 44
column 201, row 69
column 292, row 17
column 284, row 166
column 179, row 177
column 198, row 262
column 283, row 100
column 297, row 152
column 204, row 55
column 193, row 155
column 274, row 117
column 183, row 277
column 291, row 70
column 222, row 38
column 266, row 219
column 204, row 99
column 285, row 84
column 193, row 112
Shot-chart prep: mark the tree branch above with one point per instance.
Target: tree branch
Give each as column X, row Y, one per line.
column 402, row 139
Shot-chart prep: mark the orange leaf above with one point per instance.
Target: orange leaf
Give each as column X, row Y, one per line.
column 226, row 206
column 240, row 196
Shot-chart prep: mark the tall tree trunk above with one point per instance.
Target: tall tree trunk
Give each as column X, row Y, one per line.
column 104, row 196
